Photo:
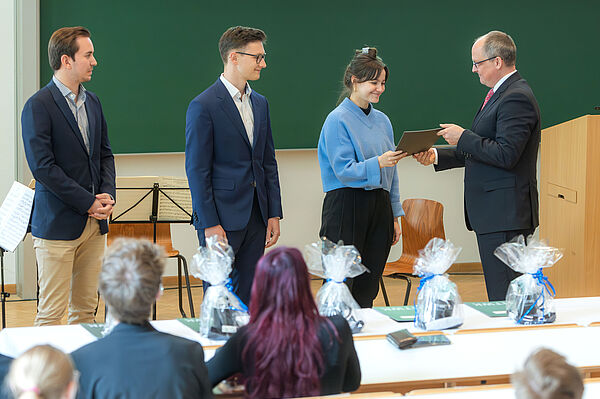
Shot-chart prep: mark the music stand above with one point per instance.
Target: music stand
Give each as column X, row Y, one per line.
column 154, row 199
column 15, row 213
column 3, row 294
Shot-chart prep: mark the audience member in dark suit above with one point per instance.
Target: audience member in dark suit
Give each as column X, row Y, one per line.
column 288, row 349
column 134, row 360
column 42, row 372
column 5, row 362
column 230, row 158
column 547, row 375
column 499, row 154
column 66, row 144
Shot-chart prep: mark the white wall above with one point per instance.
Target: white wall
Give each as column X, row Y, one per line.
column 8, row 114
column 302, row 197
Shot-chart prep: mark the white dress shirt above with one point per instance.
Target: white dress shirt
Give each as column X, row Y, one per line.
column 244, row 106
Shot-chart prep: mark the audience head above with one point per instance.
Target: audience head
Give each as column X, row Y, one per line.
column 547, row 375
column 281, row 284
column 365, row 66
column 42, row 372
column 282, row 344
column 130, row 279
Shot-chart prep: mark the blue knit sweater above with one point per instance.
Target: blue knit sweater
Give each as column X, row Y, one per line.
column 349, row 145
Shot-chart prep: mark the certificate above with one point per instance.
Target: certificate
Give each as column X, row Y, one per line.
column 414, row 141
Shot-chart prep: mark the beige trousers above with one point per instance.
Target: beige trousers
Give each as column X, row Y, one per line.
column 68, row 274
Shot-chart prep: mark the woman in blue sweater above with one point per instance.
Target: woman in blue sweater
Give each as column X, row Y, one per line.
column 358, row 168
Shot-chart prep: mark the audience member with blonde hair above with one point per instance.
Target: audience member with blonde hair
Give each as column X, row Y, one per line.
column 135, row 360
column 547, row 375
column 42, row 372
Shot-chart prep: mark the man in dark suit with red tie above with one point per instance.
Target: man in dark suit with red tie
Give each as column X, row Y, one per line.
column 499, row 154
column 230, row 158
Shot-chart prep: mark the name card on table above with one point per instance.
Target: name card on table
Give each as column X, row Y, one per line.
column 490, row 309
column 398, row 313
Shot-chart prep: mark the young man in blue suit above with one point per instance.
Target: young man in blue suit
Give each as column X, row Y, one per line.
column 68, row 152
column 499, row 154
column 230, row 158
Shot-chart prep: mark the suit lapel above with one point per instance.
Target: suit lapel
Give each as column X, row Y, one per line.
column 256, row 111
column 231, row 110
column 61, row 103
column 497, row 94
column 91, row 114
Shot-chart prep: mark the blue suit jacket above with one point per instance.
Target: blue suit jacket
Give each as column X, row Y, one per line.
column 67, row 177
column 137, row 361
column 223, row 169
column 499, row 154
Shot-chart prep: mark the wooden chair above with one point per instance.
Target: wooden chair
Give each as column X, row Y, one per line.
column 163, row 238
column 423, row 220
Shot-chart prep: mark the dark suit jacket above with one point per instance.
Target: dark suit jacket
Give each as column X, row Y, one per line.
column 499, row 154
column 67, row 177
column 223, row 169
column 136, row 361
column 341, row 369
column 5, row 362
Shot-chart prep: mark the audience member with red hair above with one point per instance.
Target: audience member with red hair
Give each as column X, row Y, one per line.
column 288, row 349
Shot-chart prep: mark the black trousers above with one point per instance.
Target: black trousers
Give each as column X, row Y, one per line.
column 497, row 274
column 248, row 246
column 362, row 218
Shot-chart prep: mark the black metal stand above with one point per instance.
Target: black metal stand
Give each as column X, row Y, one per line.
column 3, row 294
column 153, row 218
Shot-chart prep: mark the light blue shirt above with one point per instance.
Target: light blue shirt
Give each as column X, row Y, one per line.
column 78, row 109
column 349, row 145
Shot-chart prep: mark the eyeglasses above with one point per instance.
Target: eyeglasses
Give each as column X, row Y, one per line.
column 259, row 57
column 476, row 64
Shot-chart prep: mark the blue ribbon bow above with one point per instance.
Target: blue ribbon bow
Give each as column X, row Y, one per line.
column 335, row 281
column 424, row 279
column 227, row 284
column 546, row 285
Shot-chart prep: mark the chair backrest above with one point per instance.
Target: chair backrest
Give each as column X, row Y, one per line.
column 423, row 220
column 142, row 230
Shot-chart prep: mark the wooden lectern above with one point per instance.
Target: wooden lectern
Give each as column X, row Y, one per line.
column 570, row 204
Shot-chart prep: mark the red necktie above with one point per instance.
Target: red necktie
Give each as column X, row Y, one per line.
column 487, row 98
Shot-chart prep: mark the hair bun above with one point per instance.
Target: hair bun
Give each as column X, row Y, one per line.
column 370, row 51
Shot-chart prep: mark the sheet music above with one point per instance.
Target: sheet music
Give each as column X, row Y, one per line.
column 14, row 216
column 167, row 210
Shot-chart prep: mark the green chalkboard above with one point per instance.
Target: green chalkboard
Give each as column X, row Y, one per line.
column 155, row 56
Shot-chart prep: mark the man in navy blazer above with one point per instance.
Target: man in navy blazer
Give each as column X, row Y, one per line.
column 67, row 149
column 230, row 158
column 135, row 360
column 499, row 154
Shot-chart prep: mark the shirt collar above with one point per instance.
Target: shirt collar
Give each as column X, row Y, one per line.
column 66, row 92
column 233, row 91
column 502, row 80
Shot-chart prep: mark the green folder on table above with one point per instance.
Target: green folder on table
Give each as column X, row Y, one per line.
column 94, row 328
column 193, row 323
column 491, row 309
column 398, row 313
